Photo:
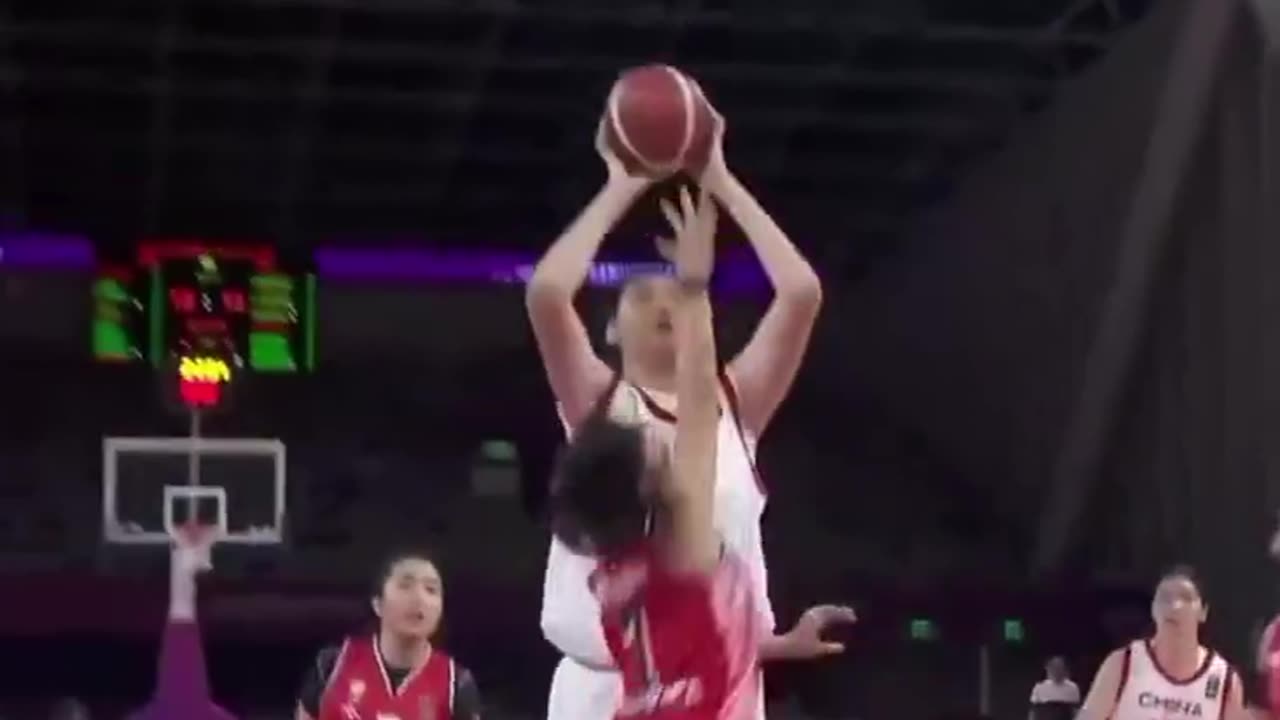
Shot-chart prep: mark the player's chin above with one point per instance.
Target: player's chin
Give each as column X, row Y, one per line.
column 417, row 627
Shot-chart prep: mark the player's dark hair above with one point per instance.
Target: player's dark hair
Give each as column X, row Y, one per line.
column 387, row 567
column 596, row 501
column 1184, row 571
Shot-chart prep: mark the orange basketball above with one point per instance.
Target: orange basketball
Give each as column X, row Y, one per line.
column 658, row 121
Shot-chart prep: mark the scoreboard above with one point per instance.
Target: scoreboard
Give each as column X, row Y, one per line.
column 189, row 299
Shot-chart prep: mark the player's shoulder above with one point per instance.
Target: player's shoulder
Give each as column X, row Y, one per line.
column 327, row 657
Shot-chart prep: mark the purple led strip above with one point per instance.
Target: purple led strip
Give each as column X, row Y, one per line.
column 45, row 250
column 736, row 273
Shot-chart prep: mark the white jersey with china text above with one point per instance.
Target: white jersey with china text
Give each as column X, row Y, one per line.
column 1148, row 692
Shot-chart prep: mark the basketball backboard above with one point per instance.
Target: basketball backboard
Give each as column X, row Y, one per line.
column 150, row 485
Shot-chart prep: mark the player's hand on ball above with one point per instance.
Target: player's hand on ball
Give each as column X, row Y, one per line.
column 692, row 250
column 716, row 170
column 618, row 174
column 804, row 640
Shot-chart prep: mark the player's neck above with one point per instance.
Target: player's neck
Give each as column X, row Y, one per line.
column 650, row 376
column 1177, row 653
column 400, row 652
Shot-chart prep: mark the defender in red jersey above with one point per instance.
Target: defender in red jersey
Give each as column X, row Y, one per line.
column 395, row 673
column 678, row 610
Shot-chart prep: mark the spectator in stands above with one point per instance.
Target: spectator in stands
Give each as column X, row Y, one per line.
column 1056, row 697
column 68, row 709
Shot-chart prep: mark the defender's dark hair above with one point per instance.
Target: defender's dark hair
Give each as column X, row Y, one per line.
column 388, row 566
column 596, row 501
column 1186, row 572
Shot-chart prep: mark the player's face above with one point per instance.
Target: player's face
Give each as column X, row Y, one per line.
column 1056, row 669
column 1177, row 605
column 412, row 598
column 643, row 320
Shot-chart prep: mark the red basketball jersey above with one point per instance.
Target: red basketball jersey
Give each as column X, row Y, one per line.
column 360, row 689
column 687, row 646
column 1269, row 664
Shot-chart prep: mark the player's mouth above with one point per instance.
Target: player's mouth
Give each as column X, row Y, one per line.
column 664, row 325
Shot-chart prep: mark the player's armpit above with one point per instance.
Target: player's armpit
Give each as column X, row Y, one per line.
column 1105, row 689
column 1234, row 701
column 766, row 368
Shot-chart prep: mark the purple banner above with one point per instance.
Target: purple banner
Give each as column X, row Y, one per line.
column 46, row 250
column 734, row 274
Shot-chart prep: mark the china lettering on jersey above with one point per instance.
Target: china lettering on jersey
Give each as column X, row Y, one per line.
column 1148, row 692
column 360, row 689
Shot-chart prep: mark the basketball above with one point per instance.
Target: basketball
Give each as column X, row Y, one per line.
column 658, row 122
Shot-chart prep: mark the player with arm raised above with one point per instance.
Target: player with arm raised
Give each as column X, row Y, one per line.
column 182, row 686
column 677, row 608
column 585, row 686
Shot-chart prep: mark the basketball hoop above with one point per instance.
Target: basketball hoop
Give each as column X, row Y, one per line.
column 195, row 535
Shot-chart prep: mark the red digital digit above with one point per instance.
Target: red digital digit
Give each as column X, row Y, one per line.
column 233, row 301
column 182, row 299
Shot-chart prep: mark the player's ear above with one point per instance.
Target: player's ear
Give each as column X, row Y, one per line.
column 1204, row 612
column 375, row 603
column 611, row 333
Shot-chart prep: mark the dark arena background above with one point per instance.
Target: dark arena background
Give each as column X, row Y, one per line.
column 1046, row 366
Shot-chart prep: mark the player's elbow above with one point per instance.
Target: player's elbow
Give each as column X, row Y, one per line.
column 803, row 293
column 544, row 294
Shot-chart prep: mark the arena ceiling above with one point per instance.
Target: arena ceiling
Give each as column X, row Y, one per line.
column 468, row 122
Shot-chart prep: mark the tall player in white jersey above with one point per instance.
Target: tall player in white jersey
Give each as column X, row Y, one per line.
column 585, row 686
column 1169, row 676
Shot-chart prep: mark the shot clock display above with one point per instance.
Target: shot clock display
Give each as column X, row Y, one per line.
column 184, row 300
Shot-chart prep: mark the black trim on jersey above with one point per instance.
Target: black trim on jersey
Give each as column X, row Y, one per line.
column 1226, row 692
column 1209, row 656
column 1124, row 676
column 731, row 397
column 466, row 693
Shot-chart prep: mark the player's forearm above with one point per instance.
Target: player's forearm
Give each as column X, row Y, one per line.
column 560, row 272
column 182, row 594
column 774, row 647
column 793, row 278
column 697, row 384
column 695, row 547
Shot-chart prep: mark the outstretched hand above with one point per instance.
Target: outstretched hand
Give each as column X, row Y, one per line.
column 618, row 172
column 192, row 553
column 692, row 247
column 805, row 642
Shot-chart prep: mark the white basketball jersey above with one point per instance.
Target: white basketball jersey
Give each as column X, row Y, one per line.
column 739, row 504
column 1147, row 692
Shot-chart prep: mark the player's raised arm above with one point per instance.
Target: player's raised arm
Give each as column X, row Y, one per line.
column 765, row 369
column 576, row 373
column 693, row 544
